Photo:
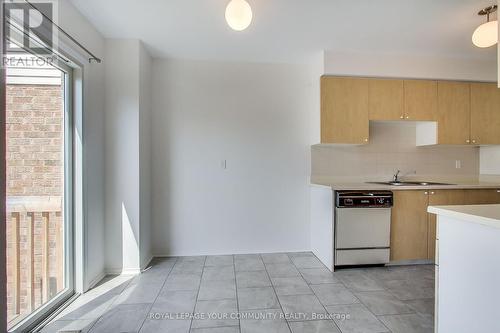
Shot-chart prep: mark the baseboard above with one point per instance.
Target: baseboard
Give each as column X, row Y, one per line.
column 96, row 280
column 163, row 255
column 120, row 271
column 146, row 263
column 411, row 262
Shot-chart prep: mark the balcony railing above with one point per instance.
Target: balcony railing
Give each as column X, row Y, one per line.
column 35, row 262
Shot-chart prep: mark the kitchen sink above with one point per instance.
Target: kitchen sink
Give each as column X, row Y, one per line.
column 408, row 183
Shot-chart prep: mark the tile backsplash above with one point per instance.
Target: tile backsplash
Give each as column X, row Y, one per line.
column 392, row 147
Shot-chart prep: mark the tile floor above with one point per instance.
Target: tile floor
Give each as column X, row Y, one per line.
column 286, row 292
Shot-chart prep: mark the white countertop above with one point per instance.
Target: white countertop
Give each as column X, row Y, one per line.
column 482, row 214
column 338, row 185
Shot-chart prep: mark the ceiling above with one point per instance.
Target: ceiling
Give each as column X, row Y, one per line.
column 293, row 30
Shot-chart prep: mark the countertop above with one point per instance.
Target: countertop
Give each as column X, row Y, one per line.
column 339, row 185
column 488, row 215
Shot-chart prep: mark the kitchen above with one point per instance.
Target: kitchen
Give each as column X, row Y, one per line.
column 433, row 130
column 241, row 166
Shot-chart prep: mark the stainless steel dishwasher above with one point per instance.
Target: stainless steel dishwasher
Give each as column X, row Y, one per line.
column 362, row 227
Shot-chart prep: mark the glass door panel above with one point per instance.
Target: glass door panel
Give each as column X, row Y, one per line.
column 38, row 177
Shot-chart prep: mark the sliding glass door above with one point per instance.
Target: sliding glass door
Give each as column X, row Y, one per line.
column 39, row 219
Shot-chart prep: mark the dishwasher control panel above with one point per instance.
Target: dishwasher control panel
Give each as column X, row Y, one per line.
column 363, row 199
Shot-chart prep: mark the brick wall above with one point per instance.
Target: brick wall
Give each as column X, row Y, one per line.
column 34, row 140
column 34, row 168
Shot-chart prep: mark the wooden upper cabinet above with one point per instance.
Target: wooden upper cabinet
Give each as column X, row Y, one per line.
column 344, row 110
column 409, row 229
column 485, row 113
column 420, row 100
column 386, row 99
column 453, row 115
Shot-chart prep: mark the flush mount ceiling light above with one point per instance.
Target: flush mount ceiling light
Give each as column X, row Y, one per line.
column 238, row 14
column 486, row 34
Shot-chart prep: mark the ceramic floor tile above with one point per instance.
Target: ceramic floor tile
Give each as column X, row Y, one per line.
column 215, row 290
column 291, row 286
column 219, row 260
column 275, row 258
column 319, row 326
column 356, row 318
column 218, row 273
column 87, row 307
column 334, row 294
column 409, row 323
column 383, row 303
column 187, row 267
column 139, row 293
column 423, row 306
column 357, row 280
column 307, row 262
column 174, row 301
column 215, row 314
column 81, row 326
column 257, row 298
column 264, row 321
column 165, row 326
column 282, row 270
column 301, row 307
column 183, row 282
column 248, row 263
column 230, row 329
column 252, row 279
column 318, row 275
column 410, row 289
column 122, row 318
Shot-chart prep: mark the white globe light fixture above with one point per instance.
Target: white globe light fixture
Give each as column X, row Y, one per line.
column 486, row 34
column 238, row 14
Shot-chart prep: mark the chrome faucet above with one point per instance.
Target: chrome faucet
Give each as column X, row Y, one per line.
column 396, row 176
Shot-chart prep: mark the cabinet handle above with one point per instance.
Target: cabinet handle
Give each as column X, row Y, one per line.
column 402, row 117
column 473, row 141
column 498, row 191
column 432, row 192
column 366, row 140
column 426, row 193
column 407, row 117
column 467, row 141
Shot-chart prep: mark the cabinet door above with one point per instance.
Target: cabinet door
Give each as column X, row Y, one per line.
column 453, row 113
column 485, row 113
column 420, row 100
column 386, row 99
column 409, row 225
column 482, row 197
column 344, row 110
column 440, row 198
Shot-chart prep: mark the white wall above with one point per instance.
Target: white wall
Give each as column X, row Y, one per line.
column 256, row 117
column 145, row 142
column 93, row 138
column 410, row 66
column 128, row 154
column 122, row 155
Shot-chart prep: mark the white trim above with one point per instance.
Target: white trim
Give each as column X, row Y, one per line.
column 92, row 283
column 146, row 263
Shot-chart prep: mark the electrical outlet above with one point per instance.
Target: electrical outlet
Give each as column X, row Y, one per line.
column 458, row 164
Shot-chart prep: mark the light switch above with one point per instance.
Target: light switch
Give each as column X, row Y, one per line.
column 458, row 164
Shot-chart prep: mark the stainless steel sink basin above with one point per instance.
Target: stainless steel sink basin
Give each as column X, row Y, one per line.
column 403, row 183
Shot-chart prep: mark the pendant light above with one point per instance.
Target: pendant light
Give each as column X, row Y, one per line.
column 238, row 14
column 486, row 34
